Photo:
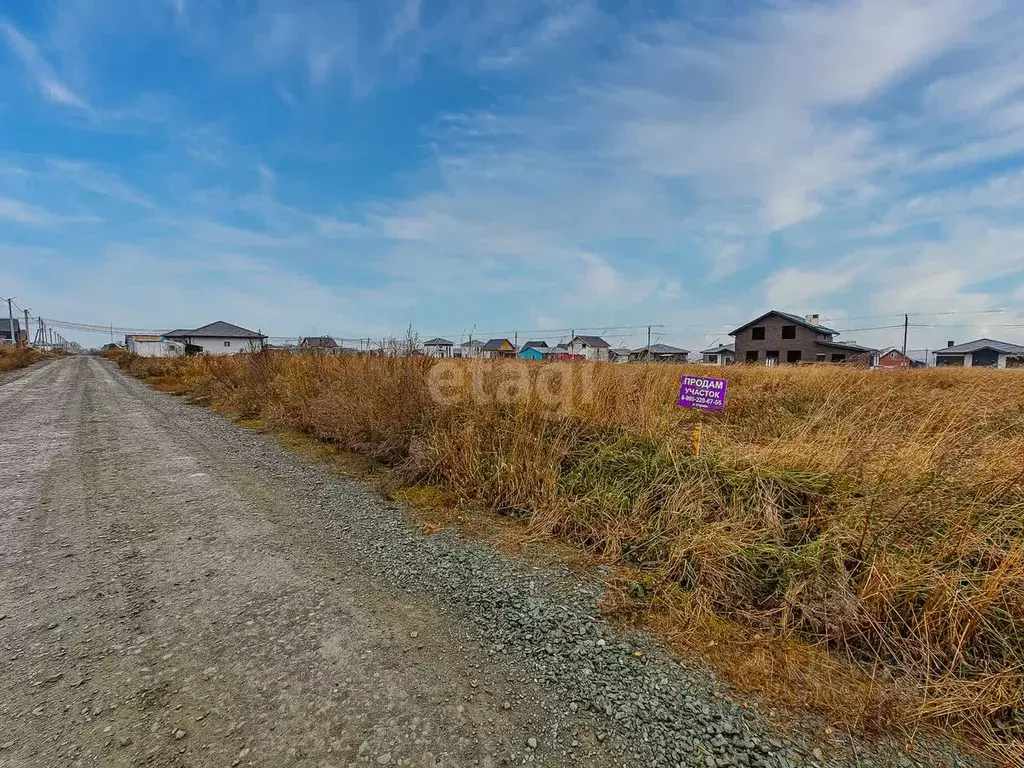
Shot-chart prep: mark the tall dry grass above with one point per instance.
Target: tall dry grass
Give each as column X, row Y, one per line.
column 12, row 358
column 879, row 515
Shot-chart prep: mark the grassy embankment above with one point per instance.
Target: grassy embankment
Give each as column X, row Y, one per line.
column 12, row 358
column 848, row 541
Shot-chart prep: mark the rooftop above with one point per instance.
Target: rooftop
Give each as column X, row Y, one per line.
column 218, row 330
column 1003, row 347
column 795, row 319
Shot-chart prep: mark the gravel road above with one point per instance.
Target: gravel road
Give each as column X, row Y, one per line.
column 177, row 591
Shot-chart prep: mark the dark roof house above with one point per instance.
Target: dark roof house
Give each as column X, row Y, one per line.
column 535, row 345
column 218, row 338
column 216, row 330
column 981, row 353
column 590, row 341
column 318, row 342
column 664, row 353
column 439, row 342
column 780, row 337
column 499, row 348
column 723, row 354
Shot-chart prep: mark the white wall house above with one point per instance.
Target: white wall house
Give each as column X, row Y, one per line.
column 219, row 338
column 591, row 347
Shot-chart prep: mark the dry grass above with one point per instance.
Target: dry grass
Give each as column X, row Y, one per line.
column 865, row 528
column 12, row 358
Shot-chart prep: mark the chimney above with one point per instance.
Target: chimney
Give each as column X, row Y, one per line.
column 950, row 344
column 814, row 319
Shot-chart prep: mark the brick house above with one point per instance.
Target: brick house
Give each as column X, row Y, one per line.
column 779, row 337
column 890, row 358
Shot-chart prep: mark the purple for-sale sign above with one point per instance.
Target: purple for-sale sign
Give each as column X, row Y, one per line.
column 703, row 393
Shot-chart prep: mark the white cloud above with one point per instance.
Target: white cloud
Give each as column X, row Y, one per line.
column 793, row 289
column 39, row 69
column 21, row 212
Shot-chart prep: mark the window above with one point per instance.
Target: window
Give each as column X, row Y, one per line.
column 820, row 357
column 839, row 357
column 757, row 333
column 789, row 331
column 227, row 343
column 894, row 354
column 712, row 358
column 752, row 356
column 793, row 356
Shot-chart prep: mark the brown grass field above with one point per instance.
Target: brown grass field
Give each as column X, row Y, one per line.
column 848, row 541
column 12, row 358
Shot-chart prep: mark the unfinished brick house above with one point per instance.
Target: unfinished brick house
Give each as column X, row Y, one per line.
column 779, row 338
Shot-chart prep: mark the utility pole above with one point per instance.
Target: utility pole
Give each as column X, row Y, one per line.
column 26, row 329
column 10, row 315
column 648, row 343
column 906, row 327
column 517, row 340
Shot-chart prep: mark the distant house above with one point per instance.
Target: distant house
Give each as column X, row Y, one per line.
column 6, row 335
column 891, row 359
column 438, row 347
column 219, row 338
column 620, row 355
column 498, row 348
column 535, row 350
column 987, row 353
column 589, row 347
column 324, row 344
column 470, row 350
column 779, row 337
column 145, row 345
column 723, row 354
column 660, row 353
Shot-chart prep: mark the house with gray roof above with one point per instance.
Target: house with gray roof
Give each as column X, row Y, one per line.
column 981, row 353
column 660, row 353
column 722, row 354
column 218, row 338
column 590, row 347
column 495, row 349
column 438, row 347
column 780, row 337
column 470, row 350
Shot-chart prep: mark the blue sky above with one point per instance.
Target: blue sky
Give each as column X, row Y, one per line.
column 355, row 167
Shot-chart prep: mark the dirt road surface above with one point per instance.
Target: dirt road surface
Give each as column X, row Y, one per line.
column 176, row 591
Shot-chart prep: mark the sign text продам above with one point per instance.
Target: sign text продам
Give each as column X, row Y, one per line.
column 703, row 393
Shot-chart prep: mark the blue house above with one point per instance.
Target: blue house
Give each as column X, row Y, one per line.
column 533, row 350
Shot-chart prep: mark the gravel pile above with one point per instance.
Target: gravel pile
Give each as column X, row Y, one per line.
column 644, row 707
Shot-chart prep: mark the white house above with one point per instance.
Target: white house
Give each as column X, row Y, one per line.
column 219, row 338
column 152, row 346
column 591, row 347
column 981, row 353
